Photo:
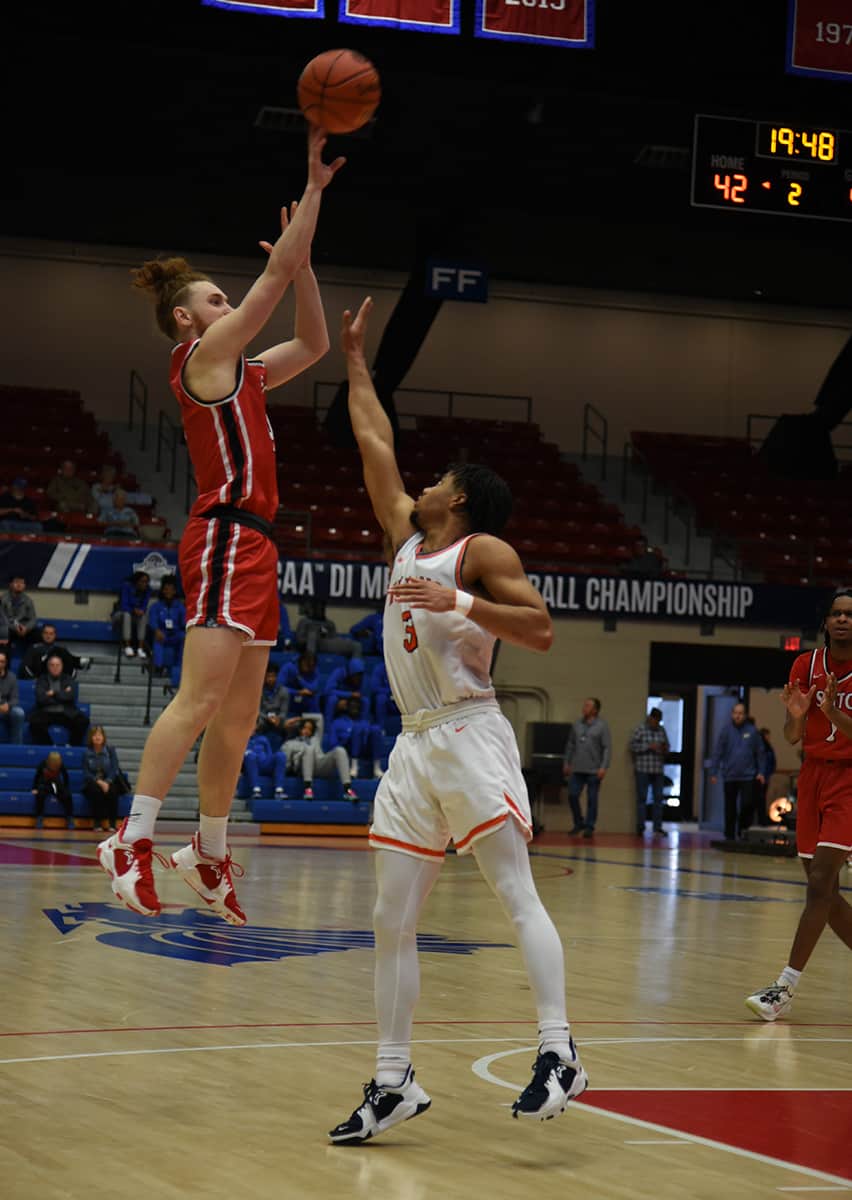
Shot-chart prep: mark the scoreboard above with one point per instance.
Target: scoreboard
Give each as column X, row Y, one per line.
column 789, row 169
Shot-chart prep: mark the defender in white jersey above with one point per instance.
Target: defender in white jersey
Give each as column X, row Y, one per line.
column 454, row 773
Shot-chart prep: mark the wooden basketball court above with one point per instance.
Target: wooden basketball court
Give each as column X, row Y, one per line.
column 178, row 1057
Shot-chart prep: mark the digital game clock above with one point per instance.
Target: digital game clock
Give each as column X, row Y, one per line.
column 772, row 167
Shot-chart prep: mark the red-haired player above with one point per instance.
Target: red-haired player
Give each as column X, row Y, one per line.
column 818, row 698
column 228, row 561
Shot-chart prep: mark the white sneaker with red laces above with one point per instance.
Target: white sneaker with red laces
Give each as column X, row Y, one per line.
column 129, row 866
column 211, row 879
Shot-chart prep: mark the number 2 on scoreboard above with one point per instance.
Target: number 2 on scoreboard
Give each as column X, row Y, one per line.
column 732, row 187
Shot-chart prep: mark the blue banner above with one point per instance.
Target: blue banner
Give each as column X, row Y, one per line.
column 82, row 566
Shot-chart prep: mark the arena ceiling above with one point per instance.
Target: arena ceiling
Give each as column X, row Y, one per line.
column 138, row 124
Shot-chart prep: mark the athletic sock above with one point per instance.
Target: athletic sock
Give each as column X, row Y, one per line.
column 213, row 836
column 142, row 819
column 555, row 1037
column 392, row 1065
column 790, row 977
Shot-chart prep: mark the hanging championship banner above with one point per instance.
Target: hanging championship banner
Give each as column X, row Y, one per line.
column 819, row 38
column 427, row 16
column 549, row 22
column 277, row 8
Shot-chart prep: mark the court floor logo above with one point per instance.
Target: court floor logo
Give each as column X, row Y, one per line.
column 202, row 938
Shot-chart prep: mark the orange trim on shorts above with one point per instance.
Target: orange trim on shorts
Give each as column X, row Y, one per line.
column 516, row 811
column 386, row 841
column 501, row 820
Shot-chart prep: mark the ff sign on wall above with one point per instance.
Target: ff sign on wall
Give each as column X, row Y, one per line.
column 456, row 281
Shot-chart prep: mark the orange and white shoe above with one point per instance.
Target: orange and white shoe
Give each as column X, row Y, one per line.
column 130, row 867
column 211, row 879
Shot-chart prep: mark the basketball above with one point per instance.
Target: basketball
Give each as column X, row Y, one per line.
column 339, row 90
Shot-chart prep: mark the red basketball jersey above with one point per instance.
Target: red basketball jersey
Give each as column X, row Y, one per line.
column 230, row 442
column 822, row 739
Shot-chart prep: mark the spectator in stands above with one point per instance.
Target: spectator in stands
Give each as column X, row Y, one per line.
column 302, row 681
column 342, row 684
column 4, row 631
column 54, row 705
column 740, row 758
column 645, row 561
column 18, row 513
column 167, row 621
column 51, row 779
column 68, row 492
column 132, row 612
column 369, row 633
column 20, row 613
column 360, row 739
column 35, row 659
column 649, row 745
column 303, row 755
column 103, row 781
column 274, row 706
column 317, row 632
column 285, row 632
column 11, row 713
column 104, row 490
column 258, row 760
column 120, row 520
column 384, row 705
column 588, row 753
column 770, row 766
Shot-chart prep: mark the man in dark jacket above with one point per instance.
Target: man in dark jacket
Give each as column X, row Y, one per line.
column 10, row 709
column 35, row 659
column 55, row 705
column 739, row 756
column 20, row 612
column 51, row 780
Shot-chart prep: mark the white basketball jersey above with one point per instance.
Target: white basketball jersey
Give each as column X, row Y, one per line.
column 434, row 659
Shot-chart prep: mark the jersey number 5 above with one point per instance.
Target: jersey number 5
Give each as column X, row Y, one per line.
column 409, row 642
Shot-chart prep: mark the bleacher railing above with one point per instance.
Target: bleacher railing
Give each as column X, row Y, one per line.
column 449, row 404
column 138, row 400
column 842, row 449
column 596, row 429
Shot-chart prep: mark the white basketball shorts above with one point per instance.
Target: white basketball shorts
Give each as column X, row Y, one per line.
column 459, row 780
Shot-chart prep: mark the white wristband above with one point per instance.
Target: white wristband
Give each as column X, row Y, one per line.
column 464, row 602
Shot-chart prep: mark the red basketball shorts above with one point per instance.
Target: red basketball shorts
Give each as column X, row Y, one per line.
column 824, row 806
column 230, row 578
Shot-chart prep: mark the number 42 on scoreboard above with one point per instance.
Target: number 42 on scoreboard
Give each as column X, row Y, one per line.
column 734, row 188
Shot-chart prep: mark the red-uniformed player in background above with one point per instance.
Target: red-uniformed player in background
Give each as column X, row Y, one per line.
column 228, row 561
column 818, row 699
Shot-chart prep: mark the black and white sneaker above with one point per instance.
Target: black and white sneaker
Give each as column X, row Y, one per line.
column 771, row 1002
column 382, row 1108
column 554, row 1083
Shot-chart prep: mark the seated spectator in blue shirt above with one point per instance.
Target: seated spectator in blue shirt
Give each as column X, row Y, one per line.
column 167, row 620
column 369, row 633
column 258, row 760
column 18, row 513
column 342, row 684
column 103, row 781
column 285, row 632
column 302, row 681
column 132, row 613
column 303, row 755
column 360, row 739
column 384, row 705
column 120, row 519
column 11, row 713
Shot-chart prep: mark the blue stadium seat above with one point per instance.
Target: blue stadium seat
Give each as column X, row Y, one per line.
column 333, row 812
column 84, row 631
column 31, row 756
column 13, row 779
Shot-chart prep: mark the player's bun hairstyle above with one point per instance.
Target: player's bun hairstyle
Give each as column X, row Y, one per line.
column 489, row 500
column 835, row 595
column 167, row 281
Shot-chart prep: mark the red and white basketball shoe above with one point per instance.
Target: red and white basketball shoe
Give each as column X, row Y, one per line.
column 211, row 879
column 129, row 866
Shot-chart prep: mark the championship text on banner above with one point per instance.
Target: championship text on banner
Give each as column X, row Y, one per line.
column 84, row 567
column 429, row 16
column 276, row 8
column 550, row 22
column 819, row 38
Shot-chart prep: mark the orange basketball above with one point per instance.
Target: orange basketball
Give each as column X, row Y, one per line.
column 339, row 90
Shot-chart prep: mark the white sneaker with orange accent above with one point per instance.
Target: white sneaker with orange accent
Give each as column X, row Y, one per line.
column 211, row 879
column 130, row 867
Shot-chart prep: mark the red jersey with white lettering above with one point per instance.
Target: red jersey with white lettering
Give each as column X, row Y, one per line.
column 822, row 739
column 230, row 441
